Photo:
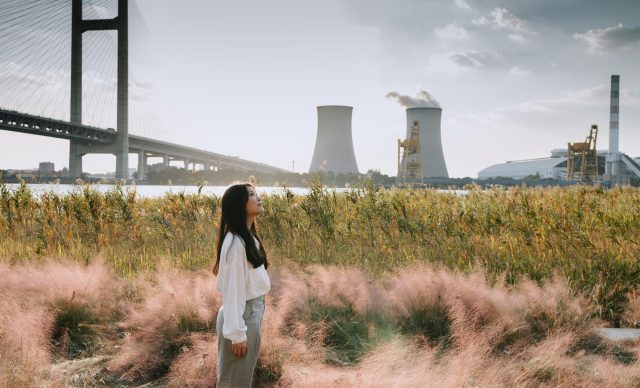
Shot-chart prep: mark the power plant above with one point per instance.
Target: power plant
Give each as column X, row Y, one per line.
column 429, row 151
column 334, row 143
column 611, row 167
column 619, row 166
column 420, row 154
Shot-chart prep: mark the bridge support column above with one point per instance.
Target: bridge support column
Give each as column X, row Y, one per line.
column 122, row 164
column 186, row 164
column 122, row 140
column 165, row 160
column 207, row 166
column 75, row 160
column 142, row 165
column 78, row 27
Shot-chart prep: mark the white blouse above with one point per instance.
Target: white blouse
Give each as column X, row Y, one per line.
column 238, row 282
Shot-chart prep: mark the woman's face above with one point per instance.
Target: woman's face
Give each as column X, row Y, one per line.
column 254, row 204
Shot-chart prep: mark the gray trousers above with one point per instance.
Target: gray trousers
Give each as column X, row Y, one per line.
column 238, row 371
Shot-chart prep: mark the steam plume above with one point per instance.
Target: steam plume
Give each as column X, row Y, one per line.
column 423, row 100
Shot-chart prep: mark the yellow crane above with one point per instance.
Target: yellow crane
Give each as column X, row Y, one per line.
column 583, row 155
column 410, row 159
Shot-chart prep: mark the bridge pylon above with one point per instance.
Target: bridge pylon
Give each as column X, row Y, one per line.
column 121, row 146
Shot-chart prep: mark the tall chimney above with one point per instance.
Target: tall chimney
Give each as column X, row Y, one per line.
column 614, row 115
column 433, row 164
column 334, row 143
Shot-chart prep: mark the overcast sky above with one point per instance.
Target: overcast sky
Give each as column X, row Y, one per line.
column 515, row 78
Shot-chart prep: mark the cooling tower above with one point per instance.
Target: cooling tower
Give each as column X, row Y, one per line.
column 433, row 164
column 334, row 144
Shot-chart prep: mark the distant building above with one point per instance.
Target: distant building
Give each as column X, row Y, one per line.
column 554, row 167
column 46, row 168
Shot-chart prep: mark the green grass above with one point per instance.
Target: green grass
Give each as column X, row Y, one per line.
column 431, row 323
column 344, row 334
column 586, row 234
column 76, row 330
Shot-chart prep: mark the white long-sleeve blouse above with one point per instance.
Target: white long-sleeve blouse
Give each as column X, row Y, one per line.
column 238, row 282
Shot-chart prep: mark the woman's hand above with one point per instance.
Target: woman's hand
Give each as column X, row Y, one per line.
column 239, row 349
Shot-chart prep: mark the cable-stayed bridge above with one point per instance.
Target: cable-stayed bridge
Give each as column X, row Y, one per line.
column 46, row 66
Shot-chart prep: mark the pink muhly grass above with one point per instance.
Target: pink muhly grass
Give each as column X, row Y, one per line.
column 631, row 316
column 53, row 280
column 286, row 302
column 339, row 287
column 32, row 298
column 420, row 327
column 489, row 327
column 195, row 367
column 24, row 343
column 159, row 328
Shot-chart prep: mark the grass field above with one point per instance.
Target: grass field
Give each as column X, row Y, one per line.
column 496, row 285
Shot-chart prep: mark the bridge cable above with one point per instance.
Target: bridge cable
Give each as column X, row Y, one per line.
column 17, row 9
column 28, row 50
column 50, row 73
column 99, row 94
column 17, row 15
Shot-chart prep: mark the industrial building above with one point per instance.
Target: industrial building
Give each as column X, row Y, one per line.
column 46, row 168
column 553, row 167
column 612, row 166
column 334, row 142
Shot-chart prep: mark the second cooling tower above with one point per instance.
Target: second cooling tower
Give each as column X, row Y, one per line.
column 433, row 164
column 334, row 143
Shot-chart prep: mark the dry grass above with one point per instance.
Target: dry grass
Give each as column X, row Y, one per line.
column 172, row 310
column 587, row 235
column 323, row 326
column 369, row 288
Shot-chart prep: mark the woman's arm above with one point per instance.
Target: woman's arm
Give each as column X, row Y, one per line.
column 234, row 294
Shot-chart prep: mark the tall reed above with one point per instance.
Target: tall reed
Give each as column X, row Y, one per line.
column 587, row 235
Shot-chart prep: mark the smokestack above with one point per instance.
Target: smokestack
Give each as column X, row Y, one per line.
column 433, row 164
column 614, row 115
column 334, row 143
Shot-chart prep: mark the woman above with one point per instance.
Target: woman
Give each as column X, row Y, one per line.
column 243, row 281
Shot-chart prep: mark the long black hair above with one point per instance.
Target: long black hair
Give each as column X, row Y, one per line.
column 234, row 219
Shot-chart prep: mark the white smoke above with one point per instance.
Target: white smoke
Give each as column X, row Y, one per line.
column 423, row 100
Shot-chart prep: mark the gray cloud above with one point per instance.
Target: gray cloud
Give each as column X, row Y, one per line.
column 610, row 38
column 422, row 100
column 475, row 59
column 462, row 4
column 517, row 70
column 502, row 18
column 486, row 37
column 534, row 111
column 451, row 31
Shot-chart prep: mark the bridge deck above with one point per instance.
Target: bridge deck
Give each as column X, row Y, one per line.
column 99, row 140
column 43, row 126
